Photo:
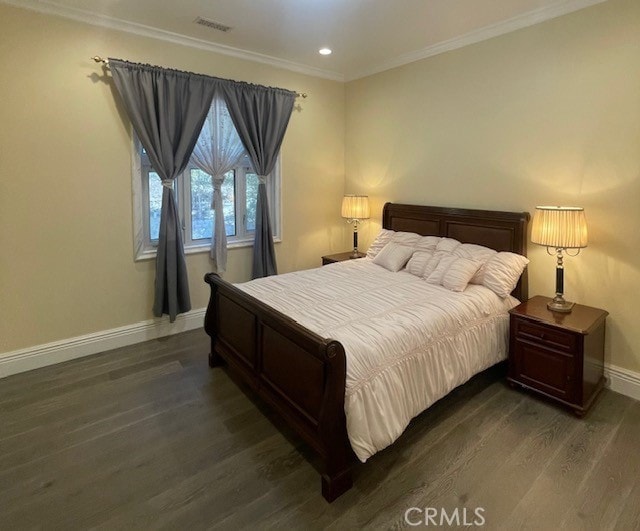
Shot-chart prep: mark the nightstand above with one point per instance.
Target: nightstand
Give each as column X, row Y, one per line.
column 340, row 257
column 558, row 355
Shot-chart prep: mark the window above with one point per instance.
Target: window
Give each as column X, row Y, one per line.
column 194, row 192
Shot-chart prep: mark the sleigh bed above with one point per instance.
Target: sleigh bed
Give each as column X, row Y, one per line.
column 303, row 375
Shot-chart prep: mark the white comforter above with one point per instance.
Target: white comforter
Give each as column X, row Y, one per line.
column 408, row 343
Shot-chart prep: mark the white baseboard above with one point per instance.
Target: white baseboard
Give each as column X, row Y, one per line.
column 622, row 381
column 76, row 347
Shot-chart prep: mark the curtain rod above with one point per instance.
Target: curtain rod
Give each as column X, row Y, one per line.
column 105, row 62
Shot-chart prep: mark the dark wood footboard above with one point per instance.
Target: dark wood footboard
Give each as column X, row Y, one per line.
column 298, row 373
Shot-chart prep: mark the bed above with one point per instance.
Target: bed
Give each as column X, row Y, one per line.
column 286, row 337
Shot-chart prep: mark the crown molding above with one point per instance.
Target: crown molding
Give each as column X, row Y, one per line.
column 95, row 19
column 481, row 34
column 494, row 30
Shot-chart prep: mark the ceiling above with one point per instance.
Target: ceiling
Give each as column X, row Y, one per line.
column 366, row 36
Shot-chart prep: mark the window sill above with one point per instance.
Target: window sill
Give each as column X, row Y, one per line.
column 150, row 254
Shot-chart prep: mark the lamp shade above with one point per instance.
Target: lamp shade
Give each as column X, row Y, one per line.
column 355, row 207
column 559, row 227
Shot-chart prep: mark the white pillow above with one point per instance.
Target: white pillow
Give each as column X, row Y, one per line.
column 502, row 272
column 416, row 264
column 475, row 252
column 460, row 273
column 432, row 263
column 383, row 237
column 393, row 256
column 447, row 245
column 427, row 243
column 410, row 239
column 443, row 266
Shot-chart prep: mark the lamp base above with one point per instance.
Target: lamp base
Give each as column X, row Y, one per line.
column 354, row 254
column 558, row 304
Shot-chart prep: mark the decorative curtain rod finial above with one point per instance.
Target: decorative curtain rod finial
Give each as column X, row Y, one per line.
column 99, row 59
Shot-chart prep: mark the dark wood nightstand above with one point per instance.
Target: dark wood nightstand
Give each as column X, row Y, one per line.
column 558, row 355
column 340, row 257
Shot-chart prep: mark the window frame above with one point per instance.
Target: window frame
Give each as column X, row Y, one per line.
column 146, row 249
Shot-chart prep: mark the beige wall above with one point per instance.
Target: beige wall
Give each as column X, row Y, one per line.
column 546, row 115
column 66, row 249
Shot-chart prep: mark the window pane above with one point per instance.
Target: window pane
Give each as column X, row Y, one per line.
column 155, row 205
column 201, row 213
column 252, row 196
column 229, row 202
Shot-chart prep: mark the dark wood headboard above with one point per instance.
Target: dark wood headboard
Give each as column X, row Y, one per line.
column 502, row 231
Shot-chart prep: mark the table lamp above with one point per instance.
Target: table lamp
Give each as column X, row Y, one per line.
column 560, row 228
column 355, row 208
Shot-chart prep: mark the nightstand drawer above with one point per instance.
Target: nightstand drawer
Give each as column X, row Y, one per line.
column 545, row 336
column 546, row 370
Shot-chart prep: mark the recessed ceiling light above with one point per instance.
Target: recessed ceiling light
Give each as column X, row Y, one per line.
column 324, row 51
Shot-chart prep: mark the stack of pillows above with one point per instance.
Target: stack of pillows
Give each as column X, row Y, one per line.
column 448, row 262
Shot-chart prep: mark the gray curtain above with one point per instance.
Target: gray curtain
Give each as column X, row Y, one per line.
column 167, row 109
column 261, row 116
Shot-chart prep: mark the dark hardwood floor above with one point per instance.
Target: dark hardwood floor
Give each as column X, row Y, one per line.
column 149, row 437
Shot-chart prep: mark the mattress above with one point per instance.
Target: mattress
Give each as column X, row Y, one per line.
column 408, row 343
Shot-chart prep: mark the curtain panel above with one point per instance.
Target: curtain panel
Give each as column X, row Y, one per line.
column 261, row 116
column 167, row 109
column 218, row 150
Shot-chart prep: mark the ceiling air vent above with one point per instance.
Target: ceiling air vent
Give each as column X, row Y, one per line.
column 212, row 24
